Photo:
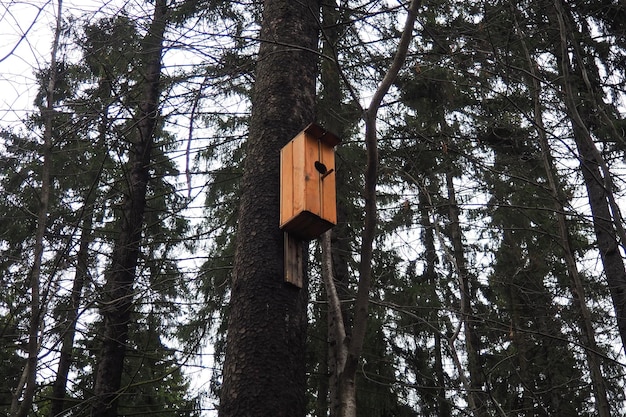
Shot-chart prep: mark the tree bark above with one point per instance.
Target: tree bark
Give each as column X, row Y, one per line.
column 335, row 246
column 514, row 301
column 437, row 389
column 117, row 300
column 59, row 386
column 337, row 342
column 264, row 368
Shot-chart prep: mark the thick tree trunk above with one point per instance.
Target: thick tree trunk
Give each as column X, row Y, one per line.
column 264, row 368
column 117, row 300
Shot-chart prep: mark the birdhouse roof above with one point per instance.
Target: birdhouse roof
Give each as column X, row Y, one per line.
column 322, row 134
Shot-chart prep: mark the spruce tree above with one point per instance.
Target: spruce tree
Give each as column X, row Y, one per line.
column 264, row 371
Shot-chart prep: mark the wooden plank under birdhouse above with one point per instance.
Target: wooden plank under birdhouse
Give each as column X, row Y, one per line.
column 307, row 225
column 294, row 262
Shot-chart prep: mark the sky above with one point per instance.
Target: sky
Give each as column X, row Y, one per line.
column 26, row 34
column 24, row 40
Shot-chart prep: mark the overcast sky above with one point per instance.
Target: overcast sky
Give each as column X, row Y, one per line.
column 26, row 28
column 24, row 40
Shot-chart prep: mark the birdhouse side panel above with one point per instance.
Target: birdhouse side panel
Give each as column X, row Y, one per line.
column 292, row 183
column 286, row 183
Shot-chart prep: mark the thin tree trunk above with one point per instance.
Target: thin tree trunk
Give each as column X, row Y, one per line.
column 335, row 247
column 576, row 284
column 27, row 386
column 430, row 253
column 462, row 276
column 597, row 181
column 347, row 375
column 337, row 341
column 264, row 368
column 118, row 297
column 330, row 115
column 514, row 301
column 467, row 284
column 323, row 388
column 66, row 357
column 59, row 387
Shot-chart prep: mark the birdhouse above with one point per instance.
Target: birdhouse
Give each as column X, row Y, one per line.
column 307, row 183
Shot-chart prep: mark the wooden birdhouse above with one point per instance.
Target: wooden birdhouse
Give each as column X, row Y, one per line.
column 307, row 183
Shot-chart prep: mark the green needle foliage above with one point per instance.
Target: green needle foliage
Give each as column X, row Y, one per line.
column 498, row 257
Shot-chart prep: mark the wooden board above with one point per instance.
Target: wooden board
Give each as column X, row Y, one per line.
column 286, row 186
column 294, row 264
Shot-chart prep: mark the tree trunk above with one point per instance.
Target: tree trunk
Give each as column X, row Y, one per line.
column 514, row 301
column 337, row 342
column 349, row 352
column 597, row 181
column 59, row 386
column 468, row 293
column 576, row 284
column 65, row 359
column 264, row 368
column 117, row 299
column 606, row 236
column 28, row 382
column 437, row 389
column 336, row 251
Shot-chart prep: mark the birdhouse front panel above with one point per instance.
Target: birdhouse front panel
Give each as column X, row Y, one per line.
column 307, row 183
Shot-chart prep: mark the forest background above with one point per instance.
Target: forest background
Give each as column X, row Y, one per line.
column 496, row 285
